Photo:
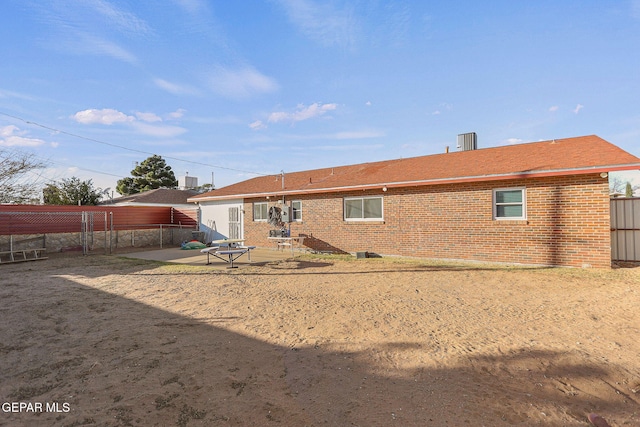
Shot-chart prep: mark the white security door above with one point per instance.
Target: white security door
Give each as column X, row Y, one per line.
column 234, row 223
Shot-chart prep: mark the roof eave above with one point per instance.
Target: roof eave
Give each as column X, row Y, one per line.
column 417, row 183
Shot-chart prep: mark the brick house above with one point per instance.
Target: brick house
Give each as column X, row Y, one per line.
column 542, row 203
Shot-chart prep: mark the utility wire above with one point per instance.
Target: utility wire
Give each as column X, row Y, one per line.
column 29, row 122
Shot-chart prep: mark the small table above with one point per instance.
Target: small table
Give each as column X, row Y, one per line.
column 287, row 241
column 232, row 254
column 227, row 242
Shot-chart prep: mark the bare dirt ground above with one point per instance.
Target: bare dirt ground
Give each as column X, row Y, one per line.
column 106, row 341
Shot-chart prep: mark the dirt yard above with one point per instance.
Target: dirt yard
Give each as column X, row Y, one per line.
column 106, row 341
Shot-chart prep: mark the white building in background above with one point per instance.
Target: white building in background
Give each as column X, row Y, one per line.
column 187, row 182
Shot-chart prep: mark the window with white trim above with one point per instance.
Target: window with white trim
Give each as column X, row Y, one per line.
column 260, row 211
column 363, row 209
column 296, row 210
column 509, row 203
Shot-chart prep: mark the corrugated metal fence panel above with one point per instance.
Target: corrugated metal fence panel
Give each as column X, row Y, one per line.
column 37, row 219
column 625, row 229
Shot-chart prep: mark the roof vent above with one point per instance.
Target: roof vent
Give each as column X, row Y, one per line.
column 467, row 141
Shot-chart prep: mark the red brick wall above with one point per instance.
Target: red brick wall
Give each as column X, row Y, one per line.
column 567, row 223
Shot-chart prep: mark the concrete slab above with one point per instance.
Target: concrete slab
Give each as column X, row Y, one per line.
column 195, row 257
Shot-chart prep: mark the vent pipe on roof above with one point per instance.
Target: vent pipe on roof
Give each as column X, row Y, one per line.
column 467, row 141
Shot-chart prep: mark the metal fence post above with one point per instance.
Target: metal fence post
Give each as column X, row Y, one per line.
column 83, row 232
column 105, row 233
column 111, row 232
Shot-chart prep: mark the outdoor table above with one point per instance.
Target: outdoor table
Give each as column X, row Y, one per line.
column 228, row 255
column 287, row 241
column 227, row 242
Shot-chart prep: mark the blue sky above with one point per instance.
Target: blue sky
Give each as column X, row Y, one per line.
column 232, row 89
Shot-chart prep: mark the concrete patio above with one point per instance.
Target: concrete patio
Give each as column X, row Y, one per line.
column 195, row 257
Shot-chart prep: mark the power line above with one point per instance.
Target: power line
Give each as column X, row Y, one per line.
column 29, row 122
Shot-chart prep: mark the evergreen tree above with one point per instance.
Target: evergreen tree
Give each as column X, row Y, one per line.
column 152, row 173
column 628, row 192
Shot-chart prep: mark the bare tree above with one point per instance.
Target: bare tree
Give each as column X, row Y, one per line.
column 619, row 185
column 15, row 187
column 616, row 184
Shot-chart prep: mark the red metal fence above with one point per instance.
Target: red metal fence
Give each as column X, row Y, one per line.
column 41, row 219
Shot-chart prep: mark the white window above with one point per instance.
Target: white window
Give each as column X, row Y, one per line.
column 363, row 209
column 296, row 208
column 260, row 211
column 509, row 203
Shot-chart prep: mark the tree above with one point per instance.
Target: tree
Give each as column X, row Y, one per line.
column 616, row 184
column 72, row 191
column 14, row 169
column 152, row 173
column 628, row 192
column 204, row 188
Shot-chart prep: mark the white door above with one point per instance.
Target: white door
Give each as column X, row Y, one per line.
column 234, row 223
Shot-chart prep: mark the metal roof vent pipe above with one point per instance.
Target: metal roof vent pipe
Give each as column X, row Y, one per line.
column 467, row 141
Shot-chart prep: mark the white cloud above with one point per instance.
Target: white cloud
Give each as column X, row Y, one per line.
column 87, row 44
column 8, row 130
column 302, row 113
column 145, row 123
column 368, row 103
column 106, row 116
column 511, row 141
column 111, row 49
column 553, row 108
column 11, row 94
column 178, row 114
column 578, row 108
column 192, row 6
column 257, row 125
column 11, row 136
column 322, row 22
column 90, row 27
column 120, row 18
column 240, row 83
column 148, row 117
column 175, row 88
column 443, row 107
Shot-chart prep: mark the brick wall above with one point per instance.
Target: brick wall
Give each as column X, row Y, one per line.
column 567, row 223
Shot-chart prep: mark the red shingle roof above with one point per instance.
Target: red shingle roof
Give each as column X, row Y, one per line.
column 167, row 196
column 580, row 155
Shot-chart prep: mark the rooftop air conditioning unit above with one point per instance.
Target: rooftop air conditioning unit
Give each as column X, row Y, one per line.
column 467, row 141
column 187, row 182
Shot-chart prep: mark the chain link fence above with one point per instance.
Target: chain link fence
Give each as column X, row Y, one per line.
column 83, row 231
